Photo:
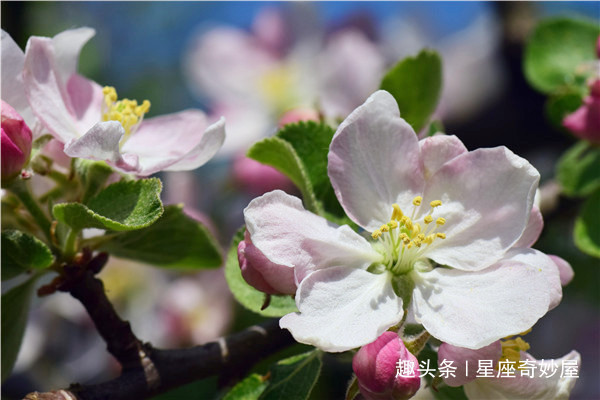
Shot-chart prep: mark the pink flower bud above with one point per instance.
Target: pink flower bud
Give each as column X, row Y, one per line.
column 375, row 366
column 263, row 274
column 16, row 142
column 297, row 115
column 256, row 178
column 585, row 121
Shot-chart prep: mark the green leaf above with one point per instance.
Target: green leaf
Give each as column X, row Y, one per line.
column 294, row 378
column 245, row 294
column 174, row 241
column 577, row 170
column 561, row 52
column 281, row 155
column 15, row 309
column 416, row 84
column 311, row 141
column 21, row 252
column 353, row 390
column 435, row 127
column 249, row 389
column 587, row 226
column 122, row 206
column 93, row 175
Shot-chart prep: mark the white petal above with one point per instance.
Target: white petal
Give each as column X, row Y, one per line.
column 487, row 196
column 438, row 150
column 46, row 91
column 67, row 46
column 519, row 387
column 473, row 309
column 99, row 143
column 289, row 235
column 343, row 308
column 374, row 162
column 532, row 230
column 13, row 91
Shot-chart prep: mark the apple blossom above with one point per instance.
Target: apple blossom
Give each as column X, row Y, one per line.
column 254, row 78
column 442, row 224
column 16, row 142
column 527, row 380
column 93, row 123
column 375, row 366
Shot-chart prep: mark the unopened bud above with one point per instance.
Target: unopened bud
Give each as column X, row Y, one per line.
column 16, row 142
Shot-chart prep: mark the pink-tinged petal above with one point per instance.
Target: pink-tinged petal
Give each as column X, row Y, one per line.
column 524, row 387
column 175, row 142
column 487, row 196
column 86, row 98
column 375, row 366
column 99, row 143
column 374, row 162
column 438, row 150
column 289, row 235
column 342, row 308
column 13, row 91
column 67, row 46
column 564, row 269
column 45, row 90
column 532, row 230
column 347, row 79
column 474, row 309
column 585, row 121
column 261, row 273
column 466, row 361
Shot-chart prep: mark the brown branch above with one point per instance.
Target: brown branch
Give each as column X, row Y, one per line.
column 148, row 371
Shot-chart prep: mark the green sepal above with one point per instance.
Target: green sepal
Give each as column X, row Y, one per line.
column 122, row 206
column 587, row 226
column 21, row 252
column 174, row 241
column 578, row 170
column 15, row 309
column 353, row 390
column 561, row 52
column 416, row 84
column 248, row 296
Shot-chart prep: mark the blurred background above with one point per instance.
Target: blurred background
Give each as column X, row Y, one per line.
column 253, row 62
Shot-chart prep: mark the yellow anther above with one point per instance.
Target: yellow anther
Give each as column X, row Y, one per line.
column 417, row 200
column 525, row 333
column 126, row 111
column 407, row 222
column 417, row 242
column 521, row 344
column 435, row 203
column 421, row 236
column 376, row 234
column 428, row 219
column 397, row 212
column 384, row 228
column 416, row 229
column 440, row 221
column 404, row 236
column 429, row 239
column 441, row 235
column 392, row 224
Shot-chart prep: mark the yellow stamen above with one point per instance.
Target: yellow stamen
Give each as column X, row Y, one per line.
column 376, row 234
column 397, row 213
column 393, row 224
column 441, row 235
column 440, row 221
column 126, row 111
column 384, row 228
column 428, row 219
column 435, row 203
column 417, row 200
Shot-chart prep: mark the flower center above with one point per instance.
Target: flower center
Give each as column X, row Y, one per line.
column 126, row 111
column 405, row 240
column 277, row 87
column 512, row 348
